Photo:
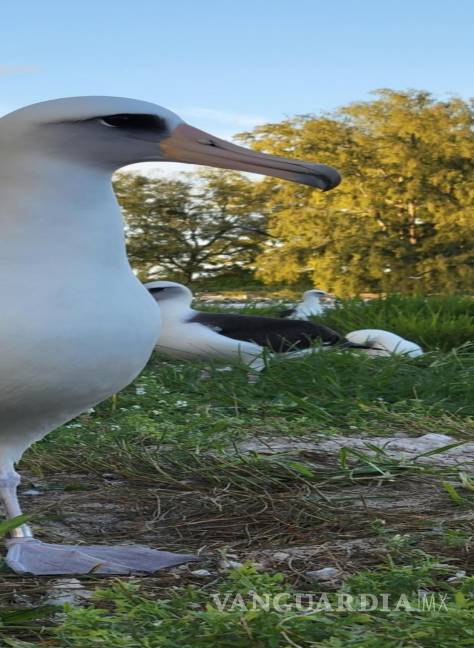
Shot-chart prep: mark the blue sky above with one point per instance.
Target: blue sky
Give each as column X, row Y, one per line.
column 226, row 65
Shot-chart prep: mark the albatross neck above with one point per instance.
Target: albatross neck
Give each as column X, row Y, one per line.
column 173, row 310
column 312, row 301
column 54, row 213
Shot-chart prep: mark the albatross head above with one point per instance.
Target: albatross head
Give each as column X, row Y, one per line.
column 314, row 294
column 164, row 291
column 111, row 132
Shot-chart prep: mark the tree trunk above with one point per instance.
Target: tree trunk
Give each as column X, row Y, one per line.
column 411, row 224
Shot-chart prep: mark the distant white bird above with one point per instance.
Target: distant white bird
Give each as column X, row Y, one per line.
column 384, row 343
column 76, row 324
column 311, row 305
column 191, row 334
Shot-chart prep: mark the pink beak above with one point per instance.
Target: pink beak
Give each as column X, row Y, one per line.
column 194, row 146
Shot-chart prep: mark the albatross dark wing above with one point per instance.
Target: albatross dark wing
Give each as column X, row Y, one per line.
column 276, row 334
column 287, row 312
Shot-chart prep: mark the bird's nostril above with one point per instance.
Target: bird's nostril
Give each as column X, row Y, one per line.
column 207, row 142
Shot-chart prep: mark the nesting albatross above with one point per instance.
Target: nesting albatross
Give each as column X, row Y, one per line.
column 310, row 306
column 76, row 325
column 191, row 334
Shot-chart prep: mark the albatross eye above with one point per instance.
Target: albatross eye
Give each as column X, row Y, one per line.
column 134, row 122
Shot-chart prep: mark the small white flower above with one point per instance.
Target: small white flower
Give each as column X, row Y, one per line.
column 181, row 403
column 140, row 390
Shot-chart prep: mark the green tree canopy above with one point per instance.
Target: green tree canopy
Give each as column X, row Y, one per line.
column 402, row 220
column 185, row 229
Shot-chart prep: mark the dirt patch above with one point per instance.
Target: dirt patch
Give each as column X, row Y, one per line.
column 343, row 520
column 215, row 520
column 428, row 449
column 291, row 526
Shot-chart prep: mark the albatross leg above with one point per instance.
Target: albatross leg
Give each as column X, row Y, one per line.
column 26, row 555
column 9, row 480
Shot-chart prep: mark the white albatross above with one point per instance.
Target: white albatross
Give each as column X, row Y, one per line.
column 190, row 334
column 384, row 343
column 310, row 306
column 64, row 349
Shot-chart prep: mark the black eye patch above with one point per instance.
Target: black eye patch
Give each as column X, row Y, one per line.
column 135, row 122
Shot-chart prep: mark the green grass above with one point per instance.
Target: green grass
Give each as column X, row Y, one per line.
column 194, row 618
column 172, row 441
column 433, row 322
column 331, row 392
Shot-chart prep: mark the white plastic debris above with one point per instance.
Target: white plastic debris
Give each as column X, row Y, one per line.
column 229, row 564
column 68, row 590
column 201, row 573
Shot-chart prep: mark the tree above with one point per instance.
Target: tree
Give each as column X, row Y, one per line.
column 402, row 219
column 185, row 229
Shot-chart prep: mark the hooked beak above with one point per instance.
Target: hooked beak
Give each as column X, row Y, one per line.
column 194, row 146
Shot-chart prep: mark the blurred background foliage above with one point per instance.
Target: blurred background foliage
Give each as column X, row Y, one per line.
column 401, row 221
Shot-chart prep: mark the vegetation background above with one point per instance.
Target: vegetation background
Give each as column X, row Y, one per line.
column 401, row 221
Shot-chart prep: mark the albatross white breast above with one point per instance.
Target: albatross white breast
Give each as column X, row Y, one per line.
column 310, row 306
column 76, row 325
